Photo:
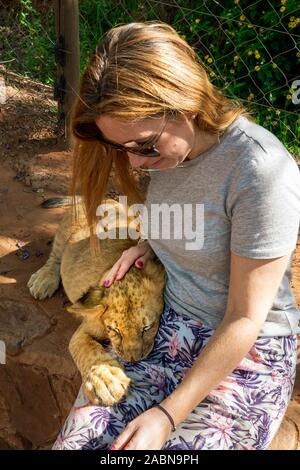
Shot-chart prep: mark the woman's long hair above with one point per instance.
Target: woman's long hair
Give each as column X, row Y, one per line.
column 139, row 70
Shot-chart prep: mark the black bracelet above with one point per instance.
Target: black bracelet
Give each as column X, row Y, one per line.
column 168, row 415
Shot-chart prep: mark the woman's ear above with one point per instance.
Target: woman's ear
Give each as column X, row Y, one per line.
column 190, row 115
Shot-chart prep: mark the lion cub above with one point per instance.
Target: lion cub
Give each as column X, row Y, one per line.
column 127, row 313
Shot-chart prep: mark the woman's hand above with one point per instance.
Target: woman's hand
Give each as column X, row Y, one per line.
column 138, row 254
column 149, row 431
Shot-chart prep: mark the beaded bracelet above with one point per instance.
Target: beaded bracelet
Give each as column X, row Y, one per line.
column 168, row 415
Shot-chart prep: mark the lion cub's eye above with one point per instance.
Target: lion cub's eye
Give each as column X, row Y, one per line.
column 115, row 330
column 148, row 327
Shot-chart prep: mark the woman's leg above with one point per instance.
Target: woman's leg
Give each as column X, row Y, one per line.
column 245, row 410
column 96, row 427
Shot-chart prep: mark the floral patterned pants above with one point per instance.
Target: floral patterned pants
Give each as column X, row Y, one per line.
column 243, row 412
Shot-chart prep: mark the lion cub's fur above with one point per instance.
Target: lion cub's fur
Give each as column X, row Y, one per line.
column 127, row 313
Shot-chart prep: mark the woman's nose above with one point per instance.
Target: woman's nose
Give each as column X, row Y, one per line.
column 135, row 160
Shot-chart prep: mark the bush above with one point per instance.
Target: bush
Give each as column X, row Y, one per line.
column 250, row 51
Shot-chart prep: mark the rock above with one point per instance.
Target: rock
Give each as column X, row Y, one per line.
column 6, row 427
column 65, row 390
column 4, row 445
column 34, row 411
column 38, row 388
column 21, row 323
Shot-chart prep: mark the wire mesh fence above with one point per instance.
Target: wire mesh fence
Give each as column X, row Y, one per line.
column 250, row 49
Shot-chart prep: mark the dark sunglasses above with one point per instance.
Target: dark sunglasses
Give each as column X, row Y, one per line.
column 147, row 149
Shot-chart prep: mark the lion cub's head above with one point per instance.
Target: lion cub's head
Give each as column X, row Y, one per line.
column 128, row 312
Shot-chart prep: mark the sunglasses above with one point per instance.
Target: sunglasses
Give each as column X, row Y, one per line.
column 147, row 149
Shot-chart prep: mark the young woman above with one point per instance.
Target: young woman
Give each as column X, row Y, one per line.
column 223, row 366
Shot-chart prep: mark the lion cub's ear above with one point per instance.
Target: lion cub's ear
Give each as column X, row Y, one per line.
column 78, row 308
column 91, row 302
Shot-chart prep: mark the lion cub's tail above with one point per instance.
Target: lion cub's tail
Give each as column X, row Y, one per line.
column 61, row 201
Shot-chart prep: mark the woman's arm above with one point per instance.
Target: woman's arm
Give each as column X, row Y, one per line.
column 252, row 288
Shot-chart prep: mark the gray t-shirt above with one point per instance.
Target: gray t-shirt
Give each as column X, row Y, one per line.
column 249, row 187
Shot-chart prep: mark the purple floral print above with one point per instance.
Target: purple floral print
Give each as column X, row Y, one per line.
column 242, row 413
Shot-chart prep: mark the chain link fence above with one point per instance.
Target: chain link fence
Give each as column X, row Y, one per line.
column 250, row 49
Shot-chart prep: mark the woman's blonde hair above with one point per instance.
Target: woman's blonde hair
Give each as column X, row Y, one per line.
column 139, row 70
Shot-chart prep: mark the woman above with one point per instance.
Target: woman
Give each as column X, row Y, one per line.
column 223, row 366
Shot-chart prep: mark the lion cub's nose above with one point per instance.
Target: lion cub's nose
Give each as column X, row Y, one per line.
column 132, row 359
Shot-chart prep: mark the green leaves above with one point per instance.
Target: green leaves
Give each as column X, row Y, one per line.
column 248, row 49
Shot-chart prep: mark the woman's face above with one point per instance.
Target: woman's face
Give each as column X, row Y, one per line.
column 177, row 141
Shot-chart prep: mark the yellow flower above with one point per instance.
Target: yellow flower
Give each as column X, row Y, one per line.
column 191, row 28
column 250, row 25
column 232, row 71
column 283, row 2
column 257, row 55
column 261, row 30
column 293, row 22
column 250, row 52
column 242, row 18
column 236, row 2
column 277, row 112
column 257, row 68
column 289, row 97
column 197, row 20
column 212, row 74
column 209, row 60
column 250, row 97
column 274, row 66
column 298, row 54
column 206, row 56
column 282, row 9
column 236, row 57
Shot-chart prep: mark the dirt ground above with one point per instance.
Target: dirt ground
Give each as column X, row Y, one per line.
column 35, row 165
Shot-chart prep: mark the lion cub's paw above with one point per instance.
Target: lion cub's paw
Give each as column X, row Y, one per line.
column 43, row 283
column 106, row 384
